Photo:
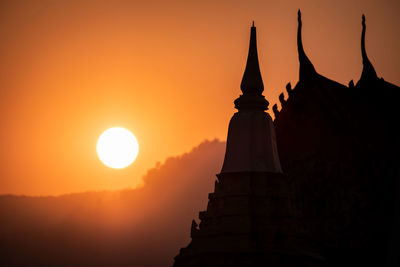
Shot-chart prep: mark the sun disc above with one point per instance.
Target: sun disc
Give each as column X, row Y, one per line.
column 117, row 147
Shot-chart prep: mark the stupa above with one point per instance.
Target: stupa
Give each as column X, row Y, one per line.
column 251, row 217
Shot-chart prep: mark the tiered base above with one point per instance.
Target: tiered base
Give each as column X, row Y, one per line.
column 251, row 220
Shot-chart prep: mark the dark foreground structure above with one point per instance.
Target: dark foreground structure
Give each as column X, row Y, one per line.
column 319, row 186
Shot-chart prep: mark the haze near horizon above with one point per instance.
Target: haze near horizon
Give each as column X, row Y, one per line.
column 168, row 71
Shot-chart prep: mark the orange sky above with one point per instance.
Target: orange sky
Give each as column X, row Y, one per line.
column 167, row 70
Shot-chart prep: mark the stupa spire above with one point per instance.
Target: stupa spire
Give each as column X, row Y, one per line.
column 306, row 67
column 252, row 80
column 368, row 70
column 252, row 84
column 251, row 143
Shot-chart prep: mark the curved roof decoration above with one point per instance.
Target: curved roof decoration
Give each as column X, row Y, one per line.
column 368, row 71
column 306, row 67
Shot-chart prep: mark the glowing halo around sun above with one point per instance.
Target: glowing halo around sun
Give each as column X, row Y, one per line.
column 117, row 147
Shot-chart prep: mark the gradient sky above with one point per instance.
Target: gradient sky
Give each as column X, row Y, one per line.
column 166, row 70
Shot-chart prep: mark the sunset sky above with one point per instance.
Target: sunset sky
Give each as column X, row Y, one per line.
column 168, row 71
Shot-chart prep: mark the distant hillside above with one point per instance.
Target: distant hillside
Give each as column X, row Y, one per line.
column 140, row 227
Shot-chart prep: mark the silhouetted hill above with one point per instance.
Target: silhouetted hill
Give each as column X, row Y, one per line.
column 135, row 227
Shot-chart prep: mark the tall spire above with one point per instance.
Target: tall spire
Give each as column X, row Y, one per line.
column 252, row 85
column 306, row 67
column 368, row 70
column 252, row 80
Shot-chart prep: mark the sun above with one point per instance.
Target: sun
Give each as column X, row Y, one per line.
column 117, row 147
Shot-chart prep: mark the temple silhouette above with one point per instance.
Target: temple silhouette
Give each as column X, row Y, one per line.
column 318, row 186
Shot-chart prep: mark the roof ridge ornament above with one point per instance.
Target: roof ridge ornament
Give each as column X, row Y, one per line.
column 368, row 71
column 306, row 67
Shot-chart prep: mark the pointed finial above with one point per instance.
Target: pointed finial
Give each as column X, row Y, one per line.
column 368, row 70
column 252, row 80
column 306, row 67
column 252, row 84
